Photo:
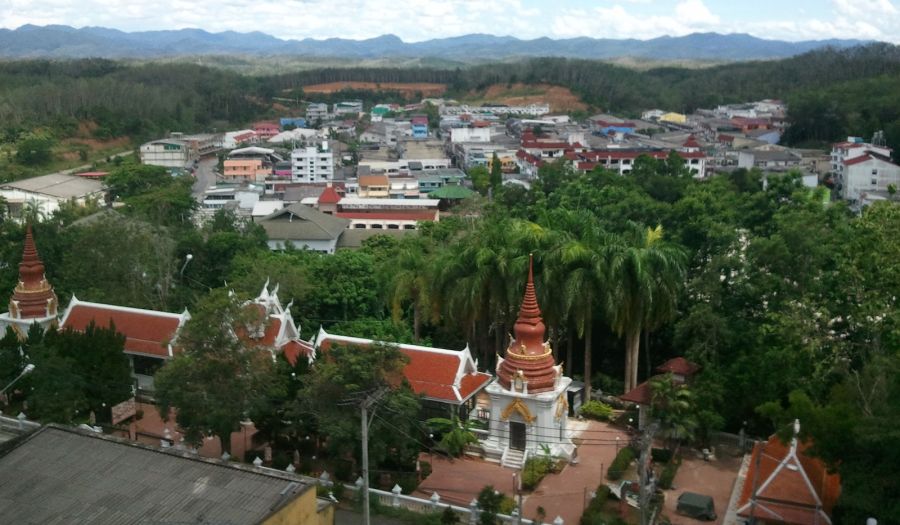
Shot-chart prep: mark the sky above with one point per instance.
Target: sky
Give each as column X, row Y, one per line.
column 416, row 20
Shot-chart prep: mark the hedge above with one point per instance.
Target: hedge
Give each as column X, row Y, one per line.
column 619, row 465
column 596, row 410
column 667, row 476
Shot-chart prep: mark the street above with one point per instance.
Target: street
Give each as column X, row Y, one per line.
column 205, row 176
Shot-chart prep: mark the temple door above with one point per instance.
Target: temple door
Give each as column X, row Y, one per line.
column 517, row 438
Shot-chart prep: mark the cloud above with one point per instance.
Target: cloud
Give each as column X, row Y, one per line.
column 687, row 16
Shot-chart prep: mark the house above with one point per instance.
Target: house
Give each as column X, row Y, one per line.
column 347, row 107
column 266, row 130
column 622, row 160
column 169, row 153
column 58, row 474
column 867, row 173
column 245, row 170
column 304, row 227
column 317, row 111
column 673, row 118
column 387, row 214
column 45, row 194
column 480, row 135
column 234, row 139
column 446, row 379
column 787, row 486
column 768, row 160
column 607, row 125
column 292, row 122
column 374, row 186
column 312, row 164
column 419, row 126
column 682, row 372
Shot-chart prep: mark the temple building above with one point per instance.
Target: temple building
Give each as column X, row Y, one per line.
column 33, row 300
column 529, row 405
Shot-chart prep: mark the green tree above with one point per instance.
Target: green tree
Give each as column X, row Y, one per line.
column 496, row 177
column 347, row 375
column 481, row 179
column 132, row 179
column 219, row 376
column 672, row 406
column 648, row 273
column 34, row 149
column 410, row 282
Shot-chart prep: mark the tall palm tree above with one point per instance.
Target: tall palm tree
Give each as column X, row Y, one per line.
column 579, row 262
column 646, row 273
column 411, row 282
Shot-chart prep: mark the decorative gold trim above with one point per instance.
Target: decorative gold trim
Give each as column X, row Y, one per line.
column 519, row 407
column 533, row 357
column 562, row 406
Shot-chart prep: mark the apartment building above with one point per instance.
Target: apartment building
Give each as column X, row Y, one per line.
column 312, row 164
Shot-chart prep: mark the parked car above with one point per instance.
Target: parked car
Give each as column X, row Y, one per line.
column 696, row 506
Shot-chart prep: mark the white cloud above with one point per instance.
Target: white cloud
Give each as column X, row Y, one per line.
column 688, row 16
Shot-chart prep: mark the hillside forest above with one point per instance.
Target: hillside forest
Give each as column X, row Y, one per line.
column 831, row 94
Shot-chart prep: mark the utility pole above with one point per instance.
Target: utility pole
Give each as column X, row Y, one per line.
column 644, row 461
column 366, row 400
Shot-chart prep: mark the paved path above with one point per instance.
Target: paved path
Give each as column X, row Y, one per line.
column 712, row 478
column 205, row 176
column 562, row 494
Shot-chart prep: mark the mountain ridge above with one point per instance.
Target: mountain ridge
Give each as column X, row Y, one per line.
column 62, row 42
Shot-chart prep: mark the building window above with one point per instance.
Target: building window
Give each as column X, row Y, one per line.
column 874, row 181
column 359, row 226
column 377, row 227
column 146, row 366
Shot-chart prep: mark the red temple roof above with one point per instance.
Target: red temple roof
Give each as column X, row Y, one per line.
column 147, row 332
column 787, row 485
column 442, row 375
column 329, row 196
column 528, row 354
column 33, row 297
column 680, row 366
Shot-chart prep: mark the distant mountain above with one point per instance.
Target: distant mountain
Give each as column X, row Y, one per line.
column 58, row 41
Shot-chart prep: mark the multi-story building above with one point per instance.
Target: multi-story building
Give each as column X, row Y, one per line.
column 316, row 111
column 852, row 148
column 867, row 173
column 266, row 130
column 348, row 107
column 312, row 164
column 480, row 135
column 245, row 170
column 169, row 153
column 419, row 127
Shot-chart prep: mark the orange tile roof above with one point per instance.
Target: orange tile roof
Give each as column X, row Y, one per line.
column 639, row 394
column 329, row 196
column 680, row 366
column 146, row 332
column 295, row 348
column 795, row 489
column 441, row 375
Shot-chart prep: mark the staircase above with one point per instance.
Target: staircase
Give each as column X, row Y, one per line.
column 514, row 459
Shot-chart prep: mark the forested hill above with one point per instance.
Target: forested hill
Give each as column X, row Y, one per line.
column 59, row 41
column 836, row 92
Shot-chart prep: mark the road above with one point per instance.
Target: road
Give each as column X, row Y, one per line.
column 205, row 176
column 84, row 167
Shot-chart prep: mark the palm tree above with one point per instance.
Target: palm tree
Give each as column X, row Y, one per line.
column 647, row 273
column 579, row 262
column 672, row 406
column 411, row 282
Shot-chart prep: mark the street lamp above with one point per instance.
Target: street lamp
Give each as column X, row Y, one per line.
column 187, row 259
column 617, row 445
column 25, row 371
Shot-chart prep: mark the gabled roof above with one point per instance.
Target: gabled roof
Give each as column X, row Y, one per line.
column 786, row 485
column 300, row 222
column 329, row 196
column 147, row 332
column 639, row 394
column 678, row 365
column 448, row 376
column 871, row 155
column 64, row 475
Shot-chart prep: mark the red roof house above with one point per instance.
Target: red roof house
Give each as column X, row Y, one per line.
column 785, row 485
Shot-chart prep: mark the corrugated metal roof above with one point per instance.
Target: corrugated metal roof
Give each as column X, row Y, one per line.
column 61, row 475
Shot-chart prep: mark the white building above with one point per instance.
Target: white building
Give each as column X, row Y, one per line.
column 316, row 111
column 866, row 174
column 470, row 135
column 46, row 193
column 404, row 166
column 529, row 402
column 312, row 164
column 850, row 149
column 348, row 107
column 233, row 139
column 169, row 153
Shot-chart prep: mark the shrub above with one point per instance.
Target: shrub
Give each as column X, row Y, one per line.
column 668, row 473
column 661, row 455
column 535, row 469
column 596, row 410
column 619, row 465
column 596, row 513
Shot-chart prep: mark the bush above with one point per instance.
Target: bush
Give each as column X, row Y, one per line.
column 596, row 513
column 667, row 476
column 535, row 469
column 619, row 465
column 661, row 455
column 596, row 410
